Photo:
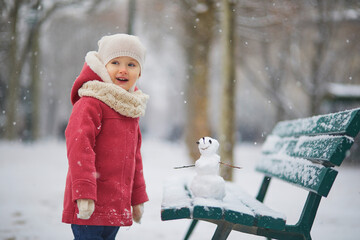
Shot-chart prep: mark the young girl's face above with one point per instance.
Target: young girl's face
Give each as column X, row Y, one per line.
column 123, row 71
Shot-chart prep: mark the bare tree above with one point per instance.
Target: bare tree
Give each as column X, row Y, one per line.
column 227, row 121
column 20, row 50
column 198, row 20
column 35, row 73
column 323, row 27
column 316, row 58
column 270, row 32
column 11, row 12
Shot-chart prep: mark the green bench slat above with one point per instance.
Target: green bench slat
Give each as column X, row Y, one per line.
column 301, row 172
column 208, row 209
column 271, row 223
column 235, row 211
column 207, row 212
column 237, row 217
column 323, row 148
column 175, row 213
column 264, row 216
column 176, row 202
column 346, row 123
column 275, row 144
column 230, row 209
column 329, row 150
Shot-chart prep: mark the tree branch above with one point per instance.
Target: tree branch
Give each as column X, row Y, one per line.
column 279, row 100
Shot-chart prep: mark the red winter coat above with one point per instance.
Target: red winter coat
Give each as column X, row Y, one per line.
column 105, row 164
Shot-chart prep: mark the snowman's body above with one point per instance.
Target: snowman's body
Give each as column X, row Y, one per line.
column 207, row 183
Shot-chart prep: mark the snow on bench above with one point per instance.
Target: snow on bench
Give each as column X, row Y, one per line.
column 306, row 160
column 176, row 202
column 333, row 123
column 237, row 207
column 242, row 205
column 298, row 171
column 326, row 149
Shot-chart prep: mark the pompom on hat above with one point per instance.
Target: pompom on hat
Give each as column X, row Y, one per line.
column 119, row 45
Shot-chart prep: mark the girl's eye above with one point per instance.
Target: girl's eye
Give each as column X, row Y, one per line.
column 131, row 65
column 115, row 62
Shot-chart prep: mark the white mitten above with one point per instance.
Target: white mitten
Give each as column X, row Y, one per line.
column 138, row 211
column 86, row 208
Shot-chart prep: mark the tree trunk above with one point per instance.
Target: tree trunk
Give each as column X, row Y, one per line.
column 198, row 49
column 131, row 16
column 227, row 121
column 35, row 85
column 14, row 71
column 197, row 101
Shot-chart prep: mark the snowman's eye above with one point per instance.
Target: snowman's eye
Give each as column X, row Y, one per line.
column 210, row 141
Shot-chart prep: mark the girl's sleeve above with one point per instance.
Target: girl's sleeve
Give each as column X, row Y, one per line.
column 83, row 127
column 139, row 194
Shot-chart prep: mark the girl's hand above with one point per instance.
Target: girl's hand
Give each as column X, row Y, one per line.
column 137, row 213
column 86, row 208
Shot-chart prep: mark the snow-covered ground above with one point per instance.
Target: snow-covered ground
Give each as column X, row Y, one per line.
column 32, row 178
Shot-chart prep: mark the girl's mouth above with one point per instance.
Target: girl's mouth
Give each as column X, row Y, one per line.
column 122, row 79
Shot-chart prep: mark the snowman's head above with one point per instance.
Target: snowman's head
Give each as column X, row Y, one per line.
column 208, row 145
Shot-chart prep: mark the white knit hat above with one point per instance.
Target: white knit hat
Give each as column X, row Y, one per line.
column 119, row 45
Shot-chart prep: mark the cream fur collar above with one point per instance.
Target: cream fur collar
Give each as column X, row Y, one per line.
column 129, row 104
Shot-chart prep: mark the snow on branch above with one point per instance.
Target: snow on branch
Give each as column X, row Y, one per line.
column 344, row 90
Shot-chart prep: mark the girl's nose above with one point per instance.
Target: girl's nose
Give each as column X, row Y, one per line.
column 122, row 70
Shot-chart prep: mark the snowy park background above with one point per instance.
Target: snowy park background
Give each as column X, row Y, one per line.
column 292, row 59
column 32, row 179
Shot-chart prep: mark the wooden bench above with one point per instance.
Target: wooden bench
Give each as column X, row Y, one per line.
column 303, row 152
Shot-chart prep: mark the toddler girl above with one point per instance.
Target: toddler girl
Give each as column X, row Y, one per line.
column 105, row 186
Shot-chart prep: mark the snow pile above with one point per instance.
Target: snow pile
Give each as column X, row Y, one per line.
column 176, row 195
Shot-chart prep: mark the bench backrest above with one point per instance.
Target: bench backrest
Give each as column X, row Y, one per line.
column 304, row 151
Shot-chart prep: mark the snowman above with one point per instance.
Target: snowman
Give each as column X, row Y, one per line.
column 207, row 183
